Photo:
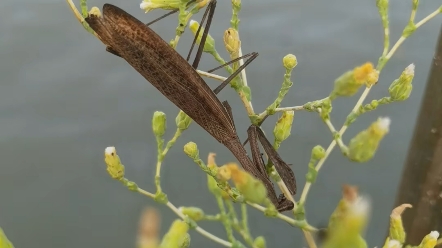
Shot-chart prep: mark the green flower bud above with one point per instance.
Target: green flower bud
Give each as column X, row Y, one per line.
column 364, row 145
column 397, row 231
column 347, row 229
column 193, row 213
column 391, row 243
column 250, row 187
column 186, row 241
column 191, row 150
column 159, row 123
column 95, row 11
column 260, row 242
column 232, row 42
column 318, row 152
column 382, row 4
column 236, row 3
column 350, row 82
column 401, row 88
column 289, row 61
column 415, row 4
column 176, row 235
column 198, row 5
column 349, row 196
column 209, row 46
column 4, row 241
column 224, row 174
column 213, row 186
column 283, row 126
column 148, row 5
column 211, row 182
column 114, row 166
column 182, row 121
column 430, row 240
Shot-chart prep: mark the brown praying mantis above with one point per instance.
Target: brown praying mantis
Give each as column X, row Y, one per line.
column 132, row 40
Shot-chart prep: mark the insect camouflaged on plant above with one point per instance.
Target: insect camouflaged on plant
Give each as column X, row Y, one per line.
column 132, row 40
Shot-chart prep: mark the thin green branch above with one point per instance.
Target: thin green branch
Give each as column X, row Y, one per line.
column 359, row 103
column 225, row 219
column 182, row 216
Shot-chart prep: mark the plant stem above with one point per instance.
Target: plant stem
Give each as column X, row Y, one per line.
column 211, row 75
column 225, row 219
column 232, row 211
column 247, row 104
column 364, row 95
column 427, row 18
column 182, row 216
column 285, row 218
column 244, row 221
column 146, row 193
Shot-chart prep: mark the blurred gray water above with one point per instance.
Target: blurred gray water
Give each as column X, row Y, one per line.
column 63, row 99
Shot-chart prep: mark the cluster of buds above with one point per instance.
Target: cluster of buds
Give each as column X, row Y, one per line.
column 397, row 235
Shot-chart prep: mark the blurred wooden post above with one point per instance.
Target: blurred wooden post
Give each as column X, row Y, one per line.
column 421, row 183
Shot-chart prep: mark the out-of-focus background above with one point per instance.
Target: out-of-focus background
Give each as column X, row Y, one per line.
column 63, row 100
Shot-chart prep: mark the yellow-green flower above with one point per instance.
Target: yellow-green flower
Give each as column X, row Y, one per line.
column 250, row 187
column 114, row 166
column 232, row 42
column 176, row 236
column 430, row 240
column 401, row 88
column 95, row 11
column 283, row 126
column 209, row 46
column 191, row 150
column 397, row 231
column 348, row 221
column 350, row 82
column 182, row 121
column 194, row 213
column 364, row 145
column 149, row 5
column 289, row 61
column 159, row 123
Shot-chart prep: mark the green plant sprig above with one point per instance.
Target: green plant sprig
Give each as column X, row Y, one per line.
column 322, row 107
column 382, row 61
